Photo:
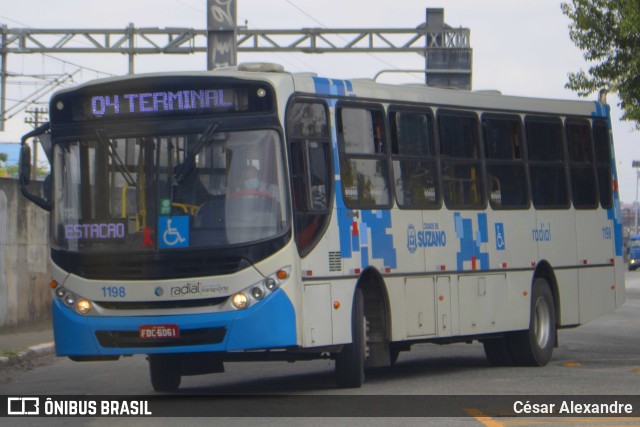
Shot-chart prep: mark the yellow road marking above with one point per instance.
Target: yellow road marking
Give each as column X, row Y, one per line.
column 488, row 421
column 484, row 419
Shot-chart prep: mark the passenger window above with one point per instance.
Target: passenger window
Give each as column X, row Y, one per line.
column 364, row 170
column 414, row 160
column 460, row 160
column 549, row 189
column 581, row 166
column 506, row 176
column 602, row 147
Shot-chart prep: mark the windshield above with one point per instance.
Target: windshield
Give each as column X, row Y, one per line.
column 160, row 193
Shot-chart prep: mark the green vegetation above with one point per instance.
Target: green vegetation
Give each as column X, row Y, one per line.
column 608, row 33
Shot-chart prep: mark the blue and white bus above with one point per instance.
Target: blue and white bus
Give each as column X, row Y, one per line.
column 251, row 214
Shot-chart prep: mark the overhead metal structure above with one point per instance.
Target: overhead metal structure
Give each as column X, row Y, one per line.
column 447, row 50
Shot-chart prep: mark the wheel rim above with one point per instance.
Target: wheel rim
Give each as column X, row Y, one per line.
column 542, row 323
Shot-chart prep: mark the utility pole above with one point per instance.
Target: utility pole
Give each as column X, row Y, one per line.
column 3, row 76
column 38, row 116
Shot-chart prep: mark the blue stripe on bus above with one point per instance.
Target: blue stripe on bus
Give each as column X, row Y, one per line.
column 470, row 242
column 268, row 324
column 614, row 214
column 334, row 87
column 382, row 246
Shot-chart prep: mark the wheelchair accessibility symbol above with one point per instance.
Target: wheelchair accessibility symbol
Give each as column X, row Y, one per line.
column 500, row 245
column 173, row 231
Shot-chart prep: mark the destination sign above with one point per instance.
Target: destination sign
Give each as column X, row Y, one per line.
column 161, row 97
column 95, row 231
column 198, row 100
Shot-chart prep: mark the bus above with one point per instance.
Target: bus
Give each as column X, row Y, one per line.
column 252, row 214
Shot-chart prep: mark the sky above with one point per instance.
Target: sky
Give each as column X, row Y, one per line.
column 520, row 47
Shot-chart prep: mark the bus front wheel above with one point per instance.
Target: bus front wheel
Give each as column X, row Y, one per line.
column 533, row 347
column 165, row 372
column 350, row 361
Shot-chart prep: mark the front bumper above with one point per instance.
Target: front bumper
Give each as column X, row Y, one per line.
column 268, row 324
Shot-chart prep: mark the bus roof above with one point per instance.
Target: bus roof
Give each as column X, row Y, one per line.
column 455, row 98
column 311, row 84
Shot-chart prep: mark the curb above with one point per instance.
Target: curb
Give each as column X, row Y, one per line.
column 28, row 354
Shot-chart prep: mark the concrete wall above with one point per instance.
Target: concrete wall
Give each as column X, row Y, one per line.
column 25, row 295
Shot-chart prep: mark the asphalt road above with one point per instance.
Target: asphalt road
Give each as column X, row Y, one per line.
column 600, row 358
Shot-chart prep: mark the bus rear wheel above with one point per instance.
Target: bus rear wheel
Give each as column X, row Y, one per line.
column 350, row 361
column 165, row 372
column 534, row 346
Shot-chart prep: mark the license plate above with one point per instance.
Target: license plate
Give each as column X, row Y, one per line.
column 159, row 331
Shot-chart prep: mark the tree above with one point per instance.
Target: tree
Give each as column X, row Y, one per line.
column 608, row 33
column 3, row 164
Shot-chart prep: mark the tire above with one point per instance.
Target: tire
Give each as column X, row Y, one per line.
column 498, row 352
column 534, row 347
column 394, row 352
column 349, row 369
column 165, row 372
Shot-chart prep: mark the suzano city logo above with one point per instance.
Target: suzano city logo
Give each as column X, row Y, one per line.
column 412, row 241
column 430, row 236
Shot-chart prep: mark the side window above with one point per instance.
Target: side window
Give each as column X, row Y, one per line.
column 581, row 166
column 460, row 160
column 602, row 147
column 364, row 171
column 546, row 163
column 310, row 155
column 503, row 150
column 415, row 165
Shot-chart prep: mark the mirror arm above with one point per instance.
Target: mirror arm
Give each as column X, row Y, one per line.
column 25, row 179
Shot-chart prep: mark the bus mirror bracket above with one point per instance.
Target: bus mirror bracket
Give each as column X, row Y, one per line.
column 24, row 173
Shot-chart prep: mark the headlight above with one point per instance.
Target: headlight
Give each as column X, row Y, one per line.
column 240, row 301
column 83, row 306
column 261, row 290
column 271, row 283
column 257, row 293
column 71, row 300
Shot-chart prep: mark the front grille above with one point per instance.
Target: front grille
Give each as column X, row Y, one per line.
column 151, row 305
column 148, row 266
column 123, row 269
column 131, row 339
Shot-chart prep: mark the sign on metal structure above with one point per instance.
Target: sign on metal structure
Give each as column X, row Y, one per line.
column 222, row 33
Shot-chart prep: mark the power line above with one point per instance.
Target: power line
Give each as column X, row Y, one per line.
column 191, row 7
column 308, row 15
column 15, row 22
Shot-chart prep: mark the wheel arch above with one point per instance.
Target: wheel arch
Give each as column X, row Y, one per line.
column 376, row 302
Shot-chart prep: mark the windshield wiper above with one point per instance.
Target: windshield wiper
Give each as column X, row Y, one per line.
column 105, row 140
column 184, row 169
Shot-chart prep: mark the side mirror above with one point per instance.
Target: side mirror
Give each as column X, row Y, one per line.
column 25, row 165
column 25, row 170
